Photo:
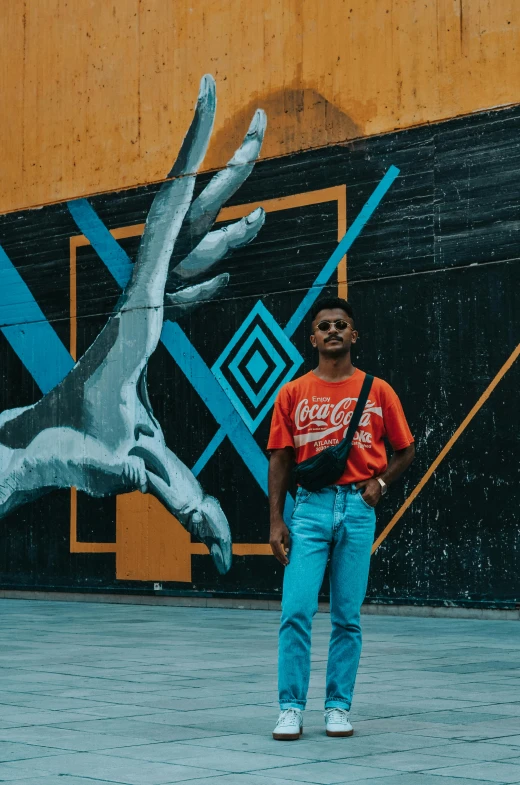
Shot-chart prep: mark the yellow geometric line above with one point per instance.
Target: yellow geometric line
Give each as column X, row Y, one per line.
column 336, row 193
column 443, row 453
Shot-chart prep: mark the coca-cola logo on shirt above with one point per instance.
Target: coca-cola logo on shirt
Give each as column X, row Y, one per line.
column 321, row 417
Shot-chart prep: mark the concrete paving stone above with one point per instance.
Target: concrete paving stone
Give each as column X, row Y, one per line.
column 219, row 726
column 410, row 710
column 327, row 773
column 473, row 667
column 27, row 678
column 371, row 727
column 259, row 713
column 104, row 767
column 231, row 761
column 479, row 678
column 509, row 740
column 192, row 704
column 50, row 779
column 14, row 716
column 216, row 758
column 493, row 695
column 31, row 689
column 504, row 709
column 415, row 778
column 490, row 730
column 455, row 717
column 237, row 779
column 254, row 711
column 490, row 771
column 10, row 774
column 390, row 714
column 139, row 728
column 410, row 760
column 130, row 675
column 48, row 703
column 11, row 751
column 361, row 708
column 61, row 739
column 375, row 687
column 459, row 733
column 163, row 716
column 166, row 700
column 474, row 750
column 113, row 711
column 129, row 698
column 508, row 678
column 99, row 689
column 312, row 748
column 318, row 747
column 414, row 705
column 205, row 690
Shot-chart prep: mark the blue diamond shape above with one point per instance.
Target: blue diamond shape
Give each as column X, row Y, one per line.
column 256, row 335
column 269, row 334
column 257, row 366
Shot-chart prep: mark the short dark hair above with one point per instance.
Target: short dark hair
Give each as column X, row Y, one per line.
column 329, row 303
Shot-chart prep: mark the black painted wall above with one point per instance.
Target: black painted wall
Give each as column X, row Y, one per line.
column 434, row 280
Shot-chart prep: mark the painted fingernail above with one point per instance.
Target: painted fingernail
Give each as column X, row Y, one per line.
column 254, row 216
column 206, row 83
column 217, row 556
column 256, row 122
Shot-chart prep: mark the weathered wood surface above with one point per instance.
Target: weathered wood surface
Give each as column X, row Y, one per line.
column 96, row 96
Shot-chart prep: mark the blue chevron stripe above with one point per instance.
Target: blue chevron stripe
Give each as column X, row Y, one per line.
column 25, row 326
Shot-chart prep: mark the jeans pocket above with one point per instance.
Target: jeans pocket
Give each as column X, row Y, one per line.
column 301, row 496
column 366, row 504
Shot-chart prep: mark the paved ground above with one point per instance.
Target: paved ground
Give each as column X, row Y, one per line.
column 94, row 694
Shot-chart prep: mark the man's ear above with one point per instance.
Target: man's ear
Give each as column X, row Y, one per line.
column 355, row 336
column 313, row 339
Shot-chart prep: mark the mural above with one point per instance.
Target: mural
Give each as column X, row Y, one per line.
column 428, row 217
column 96, row 429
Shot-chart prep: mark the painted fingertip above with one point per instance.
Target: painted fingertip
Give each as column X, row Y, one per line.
column 257, row 123
column 255, row 215
column 218, row 558
column 207, row 84
column 207, row 98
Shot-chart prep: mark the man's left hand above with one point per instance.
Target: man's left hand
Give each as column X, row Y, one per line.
column 372, row 492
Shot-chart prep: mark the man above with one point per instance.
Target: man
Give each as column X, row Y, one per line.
column 310, row 414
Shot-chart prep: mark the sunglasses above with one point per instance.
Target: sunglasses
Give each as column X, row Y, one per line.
column 339, row 325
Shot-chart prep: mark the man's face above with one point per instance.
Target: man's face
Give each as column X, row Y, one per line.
column 333, row 340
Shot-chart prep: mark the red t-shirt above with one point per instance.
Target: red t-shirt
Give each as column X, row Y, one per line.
column 311, row 415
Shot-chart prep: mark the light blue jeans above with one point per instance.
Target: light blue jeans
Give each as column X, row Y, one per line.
column 333, row 522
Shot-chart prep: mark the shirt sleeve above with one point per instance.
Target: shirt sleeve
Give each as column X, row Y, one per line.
column 396, row 426
column 281, row 433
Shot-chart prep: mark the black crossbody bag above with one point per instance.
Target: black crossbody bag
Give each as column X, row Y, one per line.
column 327, row 466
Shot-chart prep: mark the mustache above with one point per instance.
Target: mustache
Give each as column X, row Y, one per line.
column 333, row 338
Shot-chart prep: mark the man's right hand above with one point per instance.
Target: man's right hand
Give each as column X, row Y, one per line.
column 279, row 540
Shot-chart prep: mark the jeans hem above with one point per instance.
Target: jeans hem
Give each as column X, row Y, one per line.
column 292, row 705
column 337, row 703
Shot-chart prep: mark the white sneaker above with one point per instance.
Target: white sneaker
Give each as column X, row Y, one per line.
column 289, row 726
column 337, row 723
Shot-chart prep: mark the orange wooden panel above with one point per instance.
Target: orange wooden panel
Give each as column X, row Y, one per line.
column 151, row 543
column 104, row 97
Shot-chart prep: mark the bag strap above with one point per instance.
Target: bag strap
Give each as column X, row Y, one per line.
column 360, row 405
